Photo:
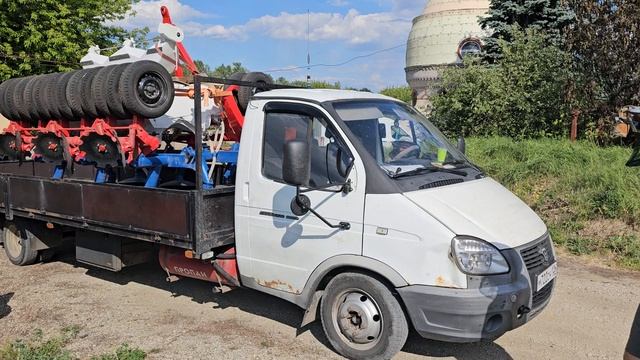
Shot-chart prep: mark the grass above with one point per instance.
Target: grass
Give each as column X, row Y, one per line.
column 37, row 347
column 585, row 194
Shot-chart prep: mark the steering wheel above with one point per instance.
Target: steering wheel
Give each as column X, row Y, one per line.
column 404, row 153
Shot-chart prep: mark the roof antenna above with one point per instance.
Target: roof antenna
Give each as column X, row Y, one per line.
column 308, row 49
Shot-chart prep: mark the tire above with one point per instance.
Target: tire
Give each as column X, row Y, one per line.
column 30, row 101
column 236, row 76
column 147, row 89
column 246, row 92
column 19, row 100
column 17, row 244
column 11, row 98
column 74, row 93
column 98, row 91
column 61, row 97
column 86, row 98
column 112, row 92
column 48, row 96
column 4, row 109
column 39, row 98
column 355, row 293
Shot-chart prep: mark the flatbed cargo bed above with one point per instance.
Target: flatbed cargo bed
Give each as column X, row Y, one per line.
column 198, row 220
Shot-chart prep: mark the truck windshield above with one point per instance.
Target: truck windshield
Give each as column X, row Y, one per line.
column 403, row 142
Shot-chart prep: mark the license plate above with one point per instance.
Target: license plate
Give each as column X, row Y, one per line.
column 546, row 276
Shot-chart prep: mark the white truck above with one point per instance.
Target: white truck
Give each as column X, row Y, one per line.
column 351, row 205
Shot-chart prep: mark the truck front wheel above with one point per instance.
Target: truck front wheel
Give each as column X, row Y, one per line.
column 362, row 318
column 18, row 245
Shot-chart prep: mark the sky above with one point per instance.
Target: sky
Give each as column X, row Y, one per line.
column 271, row 36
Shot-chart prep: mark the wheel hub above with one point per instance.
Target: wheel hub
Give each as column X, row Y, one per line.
column 12, row 242
column 359, row 318
column 150, row 89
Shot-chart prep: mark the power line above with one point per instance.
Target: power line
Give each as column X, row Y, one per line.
column 337, row 64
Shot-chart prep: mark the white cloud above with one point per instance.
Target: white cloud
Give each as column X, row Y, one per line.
column 352, row 27
column 147, row 13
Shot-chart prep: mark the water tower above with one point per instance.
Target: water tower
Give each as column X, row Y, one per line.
column 440, row 37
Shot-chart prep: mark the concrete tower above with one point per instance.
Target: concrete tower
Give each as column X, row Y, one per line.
column 446, row 30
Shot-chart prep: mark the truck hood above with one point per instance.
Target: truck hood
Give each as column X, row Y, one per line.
column 483, row 209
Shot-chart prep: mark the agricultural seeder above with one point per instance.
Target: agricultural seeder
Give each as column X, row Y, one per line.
column 116, row 113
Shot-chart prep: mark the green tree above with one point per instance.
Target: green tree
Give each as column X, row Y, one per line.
column 548, row 16
column 203, row 68
column 225, row 71
column 606, row 46
column 315, row 84
column 521, row 97
column 53, row 35
column 403, row 93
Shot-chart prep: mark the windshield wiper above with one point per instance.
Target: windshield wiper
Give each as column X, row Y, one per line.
column 427, row 169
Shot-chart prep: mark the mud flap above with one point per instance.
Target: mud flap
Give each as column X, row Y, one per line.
column 311, row 314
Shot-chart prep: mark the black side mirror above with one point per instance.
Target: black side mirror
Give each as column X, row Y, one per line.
column 342, row 161
column 296, row 163
column 462, row 145
column 382, row 129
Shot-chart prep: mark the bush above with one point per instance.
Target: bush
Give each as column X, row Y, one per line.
column 584, row 193
column 402, row 93
column 522, row 96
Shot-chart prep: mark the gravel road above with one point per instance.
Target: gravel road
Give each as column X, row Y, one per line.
column 588, row 318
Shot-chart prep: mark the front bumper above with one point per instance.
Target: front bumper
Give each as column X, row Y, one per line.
column 490, row 307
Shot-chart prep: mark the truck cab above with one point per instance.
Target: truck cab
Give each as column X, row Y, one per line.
column 355, row 207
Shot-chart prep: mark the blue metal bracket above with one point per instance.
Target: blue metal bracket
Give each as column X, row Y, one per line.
column 185, row 160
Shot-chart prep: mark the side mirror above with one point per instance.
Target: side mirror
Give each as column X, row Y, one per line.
column 296, row 163
column 342, row 161
column 462, row 145
column 382, row 129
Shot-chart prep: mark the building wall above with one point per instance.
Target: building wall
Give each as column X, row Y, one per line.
column 435, row 42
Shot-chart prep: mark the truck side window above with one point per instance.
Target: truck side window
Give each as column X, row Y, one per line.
column 283, row 127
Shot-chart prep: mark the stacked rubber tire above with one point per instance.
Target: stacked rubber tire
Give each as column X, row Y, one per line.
column 143, row 88
column 244, row 94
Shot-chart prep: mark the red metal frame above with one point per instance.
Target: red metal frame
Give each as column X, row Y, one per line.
column 136, row 141
column 184, row 55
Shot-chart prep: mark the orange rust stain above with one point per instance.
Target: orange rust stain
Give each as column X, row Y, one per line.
column 278, row 285
column 441, row 281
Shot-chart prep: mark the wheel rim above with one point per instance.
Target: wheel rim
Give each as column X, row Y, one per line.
column 12, row 241
column 357, row 319
column 151, row 89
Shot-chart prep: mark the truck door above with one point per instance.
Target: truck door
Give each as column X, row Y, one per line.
column 283, row 249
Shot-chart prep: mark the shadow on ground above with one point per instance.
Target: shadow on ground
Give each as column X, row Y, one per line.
column 5, row 309
column 273, row 308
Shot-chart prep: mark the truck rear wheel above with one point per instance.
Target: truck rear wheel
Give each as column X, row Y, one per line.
column 362, row 318
column 18, row 244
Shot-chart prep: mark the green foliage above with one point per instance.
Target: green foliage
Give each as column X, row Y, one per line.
column 315, row 84
column 224, row 71
column 585, row 194
column 607, row 50
column 548, row 16
column 39, row 348
column 52, row 35
column 521, row 96
column 403, row 93
column 54, row 348
column 124, row 352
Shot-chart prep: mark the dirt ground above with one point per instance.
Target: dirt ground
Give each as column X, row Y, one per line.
column 589, row 316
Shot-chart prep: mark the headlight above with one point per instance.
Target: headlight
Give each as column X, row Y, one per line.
column 478, row 257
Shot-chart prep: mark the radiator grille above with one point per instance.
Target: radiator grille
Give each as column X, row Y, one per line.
column 541, row 296
column 534, row 256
